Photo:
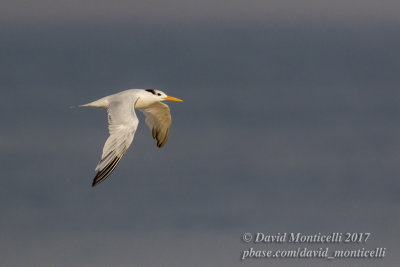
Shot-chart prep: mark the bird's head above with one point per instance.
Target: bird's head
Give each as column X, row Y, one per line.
column 158, row 95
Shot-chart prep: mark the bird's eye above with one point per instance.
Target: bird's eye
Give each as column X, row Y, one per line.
column 158, row 94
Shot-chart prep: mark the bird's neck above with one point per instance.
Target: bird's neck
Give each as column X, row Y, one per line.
column 143, row 102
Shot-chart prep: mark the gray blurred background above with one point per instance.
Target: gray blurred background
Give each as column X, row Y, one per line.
column 290, row 123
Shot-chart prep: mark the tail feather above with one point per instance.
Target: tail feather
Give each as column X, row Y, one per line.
column 101, row 103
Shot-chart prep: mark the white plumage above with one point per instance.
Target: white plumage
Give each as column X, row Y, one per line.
column 123, row 122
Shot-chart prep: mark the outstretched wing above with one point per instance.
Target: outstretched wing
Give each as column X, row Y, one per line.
column 122, row 125
column 158, row 118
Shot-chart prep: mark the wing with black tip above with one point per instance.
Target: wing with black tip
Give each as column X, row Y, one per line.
column 158, row 118
column 122, row 125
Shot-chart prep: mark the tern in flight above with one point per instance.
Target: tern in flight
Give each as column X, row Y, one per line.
column 122, row 123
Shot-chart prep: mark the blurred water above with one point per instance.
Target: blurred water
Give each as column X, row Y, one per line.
column 283, row 128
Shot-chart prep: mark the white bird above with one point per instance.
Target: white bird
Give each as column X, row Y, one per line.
column 123, row 122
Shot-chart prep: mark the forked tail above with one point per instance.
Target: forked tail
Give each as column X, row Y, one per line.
column 101, row 103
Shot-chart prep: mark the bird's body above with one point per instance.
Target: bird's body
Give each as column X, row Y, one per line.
column 123, row 122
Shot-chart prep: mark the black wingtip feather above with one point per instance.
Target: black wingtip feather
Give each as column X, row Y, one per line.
column 104, row 173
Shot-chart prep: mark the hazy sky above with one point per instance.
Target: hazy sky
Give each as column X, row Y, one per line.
column 290, row 123
column 159, row 11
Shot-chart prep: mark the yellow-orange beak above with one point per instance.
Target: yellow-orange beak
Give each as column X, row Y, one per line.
column 171, row 98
